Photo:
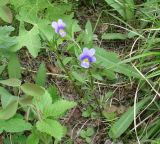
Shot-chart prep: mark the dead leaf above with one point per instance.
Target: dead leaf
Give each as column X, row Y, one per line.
column 116, row 109
column 53, row 69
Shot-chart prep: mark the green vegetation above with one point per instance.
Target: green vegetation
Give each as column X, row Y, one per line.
column 79, row 71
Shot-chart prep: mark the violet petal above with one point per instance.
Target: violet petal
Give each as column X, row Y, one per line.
column 85, row 64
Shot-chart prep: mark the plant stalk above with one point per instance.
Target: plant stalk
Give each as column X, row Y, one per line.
column 92, row 92
column 69, row 75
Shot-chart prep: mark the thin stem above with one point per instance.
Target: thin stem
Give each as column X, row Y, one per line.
column 69, row 75
column 92, row 92
column 65, row 69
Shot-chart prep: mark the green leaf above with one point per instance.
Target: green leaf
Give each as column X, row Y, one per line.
column 117, row 5
column 14, row 67
column 41, row 75
column 33, row 139
column 110, row 61
column 120, row 126
column 125, row 8
column 6, row 14
column 66, row 60
column 53, row 91
column 58, row 11
column 6, row 41
column 32, row 90
column 90, row 131
column 110, row 74
column 110, row 116
column 26, row 100
column 15, row 125
column 83, row 134
column 2, row 67
column 2, row 2
column 114, row 36
column 78, row 77
column 51, row 127
column 58, row 108
column 6, row 97
column 13, row 82
column 88, row 34
column 75, row 27
column 43, row 101
column 9, row 111
column 88, row 140
column 97, row 76
column 30, row 39
column 152, row 130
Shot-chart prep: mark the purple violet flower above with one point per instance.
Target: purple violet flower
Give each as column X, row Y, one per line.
column 59, row 27
column 87, row 57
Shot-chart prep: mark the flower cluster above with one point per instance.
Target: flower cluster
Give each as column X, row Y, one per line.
column 87, row 56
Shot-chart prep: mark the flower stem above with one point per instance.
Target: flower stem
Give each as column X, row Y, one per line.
column 92, row 92
column 69, row 75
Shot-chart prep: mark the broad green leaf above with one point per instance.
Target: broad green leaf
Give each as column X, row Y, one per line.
column 41, row 75
column 58, row 108
column 51, row 127
column 26, row 100
column 30, row 39
column 121, row 125
column 15, row 125
column 33, row 139
column 32, row 90
column 6, row 41
column 32, row 12
column 46, row 33
column 29, row 11
column 6, row 14
column 13, row 82
column 6, row 97
column 78, row 77
column 14, row 67
column 43, row 101
column 9, row 111
column 113, row 36
column 110, row 61
column 58, row 10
